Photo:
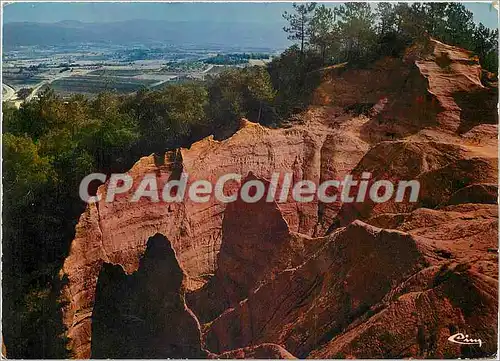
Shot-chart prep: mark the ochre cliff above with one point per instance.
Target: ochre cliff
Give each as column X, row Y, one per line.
column 318, row 280
column 117, row 232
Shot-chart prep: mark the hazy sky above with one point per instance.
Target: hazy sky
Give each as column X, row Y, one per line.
column 239, row 12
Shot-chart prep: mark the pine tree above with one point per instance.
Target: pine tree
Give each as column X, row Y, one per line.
column 321, row 30
column 357, row 29
column 299, row 23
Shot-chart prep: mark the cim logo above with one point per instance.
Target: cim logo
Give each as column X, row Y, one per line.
column 464, row 339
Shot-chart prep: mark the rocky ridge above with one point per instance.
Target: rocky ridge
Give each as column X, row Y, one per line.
column 311, row 280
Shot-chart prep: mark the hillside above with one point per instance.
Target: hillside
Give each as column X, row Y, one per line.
column 310, row 280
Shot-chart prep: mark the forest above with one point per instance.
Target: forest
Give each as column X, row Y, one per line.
column 50, row 144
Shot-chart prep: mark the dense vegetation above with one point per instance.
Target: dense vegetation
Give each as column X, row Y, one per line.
column 356, row 33
column 50, row 144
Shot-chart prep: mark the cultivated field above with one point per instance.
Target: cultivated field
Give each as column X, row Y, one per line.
column 89, row 85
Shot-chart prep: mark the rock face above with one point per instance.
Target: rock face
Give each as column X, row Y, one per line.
column 116, row 232
column 456, row 293
column 256, row 245
column 314, row 279
column 475, row 193
column 432, row 314
column 353, row 271
column 134, row 315
column 383, row 285
column 264, row 351
column 255, row 241
column 449, row 71
column 440, row 168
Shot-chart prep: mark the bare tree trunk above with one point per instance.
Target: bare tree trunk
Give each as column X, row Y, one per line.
column 302, row 36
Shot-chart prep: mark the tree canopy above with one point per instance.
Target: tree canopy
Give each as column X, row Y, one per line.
column 357, row 33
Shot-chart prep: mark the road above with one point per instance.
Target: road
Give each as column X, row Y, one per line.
column 210, row 66
column 8, row 92
column 53, row 78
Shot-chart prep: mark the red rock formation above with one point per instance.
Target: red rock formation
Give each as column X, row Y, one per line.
column 458, row 293
column 475, row 193
column 115, row 232
column 449, row 70
column 361, row 291
column 440, row 168
column 308, row 305
column 463, row 233
column 401, row 294
column 434, row 86
column 256, row 245
column 419, row 323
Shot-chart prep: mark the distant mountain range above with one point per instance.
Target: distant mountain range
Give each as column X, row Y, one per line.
column 228, row 34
